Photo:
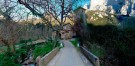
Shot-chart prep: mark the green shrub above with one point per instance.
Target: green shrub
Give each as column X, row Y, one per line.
column 118, row 43
column 74, row 42
column 25, row 41
column 98, row 51
column 21, row 54
column 15, row 59
column 129, row 23
column 42, row 50
column 8, row 60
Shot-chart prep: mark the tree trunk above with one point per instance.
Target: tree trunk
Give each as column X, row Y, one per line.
column 8, row 48
column 62, row 14
column 12, row 46
column 7, row 45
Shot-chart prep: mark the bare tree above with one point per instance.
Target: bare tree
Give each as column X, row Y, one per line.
column 10, row 31
column 58, row 9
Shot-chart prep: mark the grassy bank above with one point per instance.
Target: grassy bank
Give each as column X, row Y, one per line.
column 24, row 51
column 74, row 42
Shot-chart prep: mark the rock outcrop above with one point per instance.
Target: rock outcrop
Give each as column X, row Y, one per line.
column 98, row 5
column 123, row 7
column 100, row 18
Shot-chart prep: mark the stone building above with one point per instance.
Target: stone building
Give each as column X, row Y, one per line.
column 67, row 32
column 79, row 12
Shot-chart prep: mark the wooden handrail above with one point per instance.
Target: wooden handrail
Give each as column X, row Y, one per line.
column 94, row 59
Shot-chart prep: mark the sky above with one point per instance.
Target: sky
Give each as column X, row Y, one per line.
column 81, row 3
column 21, row 10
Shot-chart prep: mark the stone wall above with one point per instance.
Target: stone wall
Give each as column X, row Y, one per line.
column 47, row 58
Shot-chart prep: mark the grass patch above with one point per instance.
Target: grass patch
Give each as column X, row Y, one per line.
column 8, row 60
column 44, row 49
column 74, row 42
column 40, row 51
column 22, row 52
column 3, row 48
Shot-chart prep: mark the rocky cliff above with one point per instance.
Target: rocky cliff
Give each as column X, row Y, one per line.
column 123, row 7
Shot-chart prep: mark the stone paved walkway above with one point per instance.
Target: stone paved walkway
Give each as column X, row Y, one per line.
column 69, row 56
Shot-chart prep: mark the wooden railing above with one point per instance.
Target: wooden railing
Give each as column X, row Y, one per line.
column 94, row 59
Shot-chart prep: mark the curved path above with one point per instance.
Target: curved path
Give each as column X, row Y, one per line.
column 69, row 56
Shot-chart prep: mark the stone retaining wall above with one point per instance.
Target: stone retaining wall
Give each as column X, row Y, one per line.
column 47, row 58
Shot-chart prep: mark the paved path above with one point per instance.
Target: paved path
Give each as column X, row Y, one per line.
column 69, row 56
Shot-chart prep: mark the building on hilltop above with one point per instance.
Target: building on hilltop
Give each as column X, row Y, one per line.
column 79, row 12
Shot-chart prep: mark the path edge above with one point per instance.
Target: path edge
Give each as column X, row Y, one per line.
column 94, row 59
column 48, row 57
